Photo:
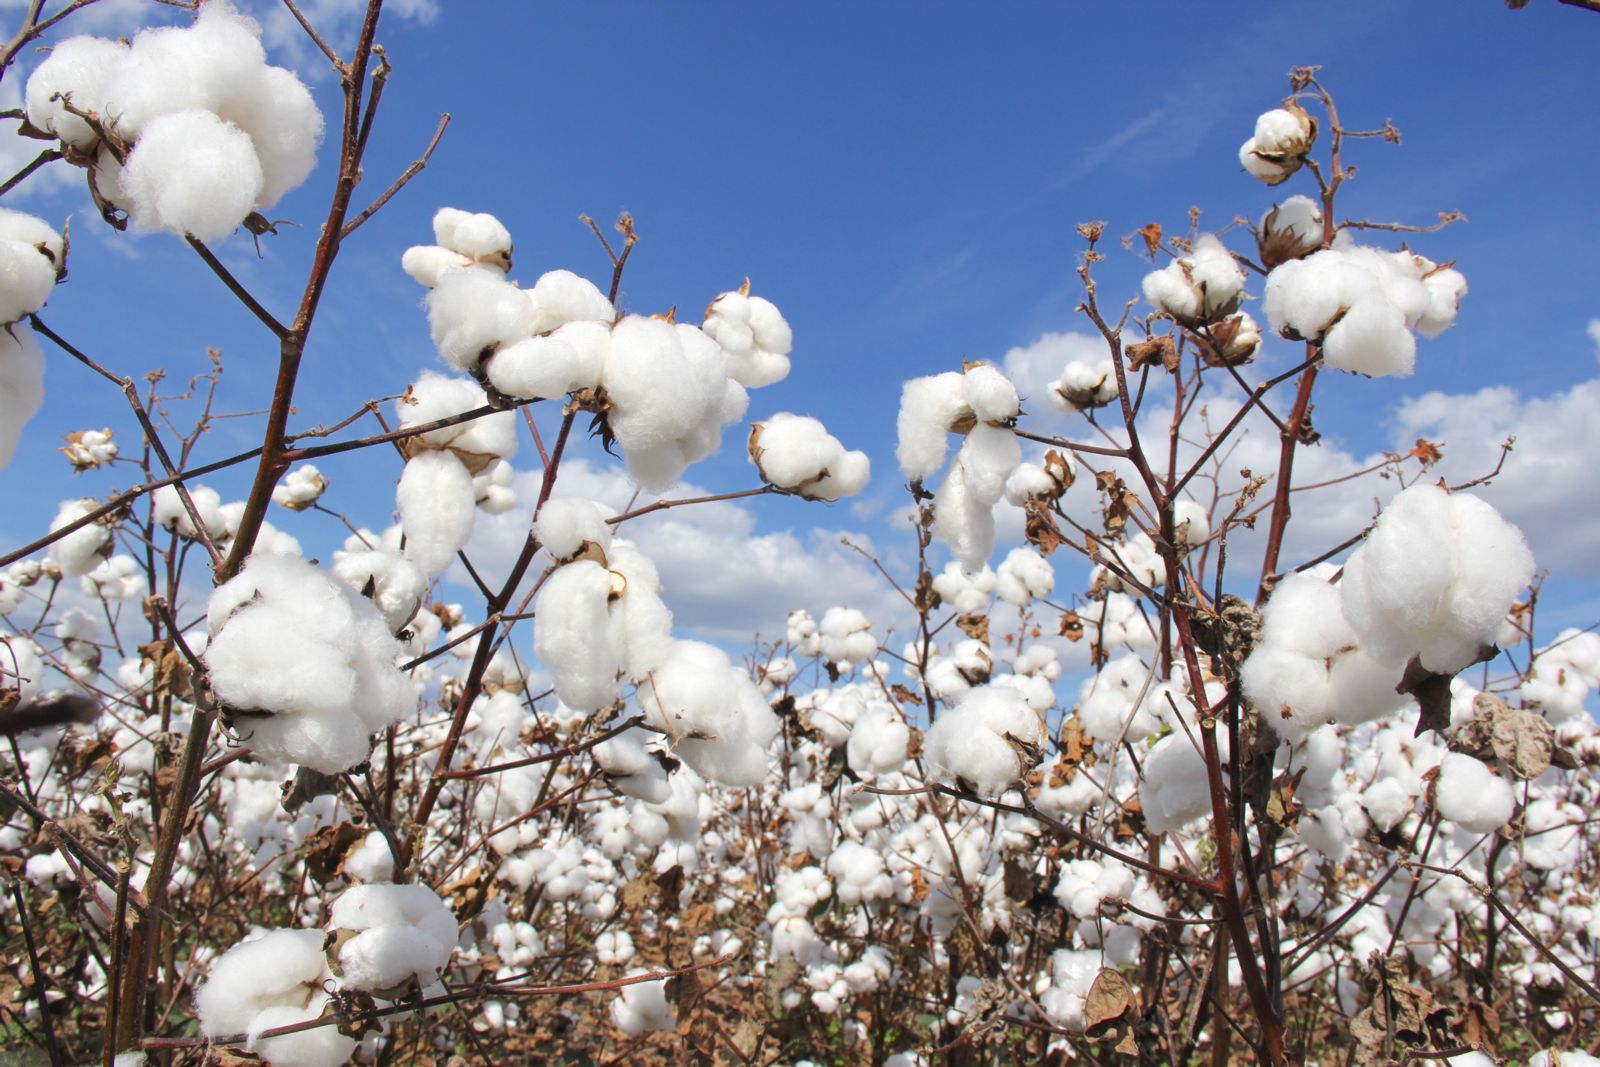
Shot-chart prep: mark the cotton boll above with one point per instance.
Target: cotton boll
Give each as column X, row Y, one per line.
column 990, row 394
column 1290, row 230
column 1113, row 704
column 541, row 368
column 428, row 263
column 1263, row 168
column 754, row 336
column 848, row 476
column 284, row 124
column 300, row 488
column 878, row 743
column 928, row 409
column 560, row 297
column 963, row 521
column 473, row 311
column 714, row 714
column 80, row 67
column 118, row 578
column 797, row 453
column 1201, row 287
column 1023, row 577
column 171, row 514
column 846, row 637
column 1191, row 522
column 1371, row 339
column 192, row 173
column 1471, row 796
column 1445, row 290
column 26, row 278
column 646, row 622
column 403, row 934
column 199, row 67
column 1083, row 385
column 575, row 636
column 281, row 969
column 396, row 585
column 632, row 769
column 21, row 667
column 436, row 396
column 565, row 525
column 436, row 504
column 80, row 551
column 322, row 1046
column 1387, row 803
column 642, row 1007
column 1284, row 130
column 988, row 740
column 21, row 387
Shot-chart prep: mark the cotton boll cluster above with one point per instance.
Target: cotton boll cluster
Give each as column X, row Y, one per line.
column 305, row 665
column 1118, row 702
column 1025, row 576
column 270, row 981
column 302, row 487
column 32, row 257
column 962, row 591
column 389, row 938
column 988, row 740
column 1282, row 140
column 1311, row 667
column 754, row 335
column 1201, row 288
column 846, row 638
column 21, row 387
column 798, row 454
column 1434, row 579
column 1363, row 304
column 200, row 130
column 1083, row 385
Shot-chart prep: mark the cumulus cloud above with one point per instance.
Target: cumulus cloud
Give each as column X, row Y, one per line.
column 723, row 576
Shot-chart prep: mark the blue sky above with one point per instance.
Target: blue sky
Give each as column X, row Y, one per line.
column 903, row 181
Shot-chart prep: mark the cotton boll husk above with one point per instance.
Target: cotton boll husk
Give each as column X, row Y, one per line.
column 928, row 407
column 476, row 309
column 79, row 66
column 560, row 297
column 192, row 173
column 541, row 367
column 576, row 636
column 398, row 586
column 1371, row 339
column 199, row 67
column 565, row 524
column 80, row 551
column 21, row 387
column 1471, row 796
column 26, row 278
column 436, row 504
column 284, row 124
column 280, row 969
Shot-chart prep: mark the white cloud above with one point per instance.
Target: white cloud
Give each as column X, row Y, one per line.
column 723, row 577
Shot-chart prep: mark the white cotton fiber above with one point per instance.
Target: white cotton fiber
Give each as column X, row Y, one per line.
column 80, row 67
column 985, row 740
column 80, row 551
column 564, row 525
column 576, row 637
column 1175, row 788
column 428, row 263
column 474, row 310
column 1310, row 667
column 272, row 981
column 476, row 235
column 754, row 336
column 879, row 741
column 284, row 124
column 1083, row 385
column 404, row 934
column 397, row 585
column 437, row 396
column 990, row 394
column 560, row 297
column 1371, row 339
column 192, row 173
column 987, row 457
column 1472, row 796
column 540, row 368
column 1434, row 578
column 437, row 504
column 1198, row 288
column 306, row 665
column 21, row 387
column 178, row 68
column 797, row 453
column 641, row 1007
column 928, row 407
column 1023, row 577
column 170, row 513
column 712, row 712
column 963, row 521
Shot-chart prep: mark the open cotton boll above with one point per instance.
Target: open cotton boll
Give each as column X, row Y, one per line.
column 428, row 263
column 1175, row 789
column 642, row 1006
column 473, row 311
column 879, row 742
column 1083, row 385
column 1471, row 796
column 21, row 667
column 27, row 277
column 560, row 297
column 393, row 583
column 1434, row 578
column 81, row 67
column 539, row 368
column 846, row 477
column 962, row 521
column 476, row 235
column 753, row 334
column 438, row 396
column 987, row 457
column 403, row 934
column 1371, row 339
column 436, row 504
column 576, row 637
column 1201, row 287
column 712, row 711
column 170, row 514
column 797, row 453
column 80, row 551
column 1023, row 577
column 1445, row 290
column 201, row 67
column 646, row 622
column 284, row 124
column 988, row 740
column 632, row 769
column 1310, row 667
column 281, row 971
column 846, row 637
column 1289, row 230
column 21, row 387
column 304, row 665
column 192, row 173
column 300, row 488
column 565, row 525
column 990, row 394
column 928, row 408
column 494, row 488
column 34, row 232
